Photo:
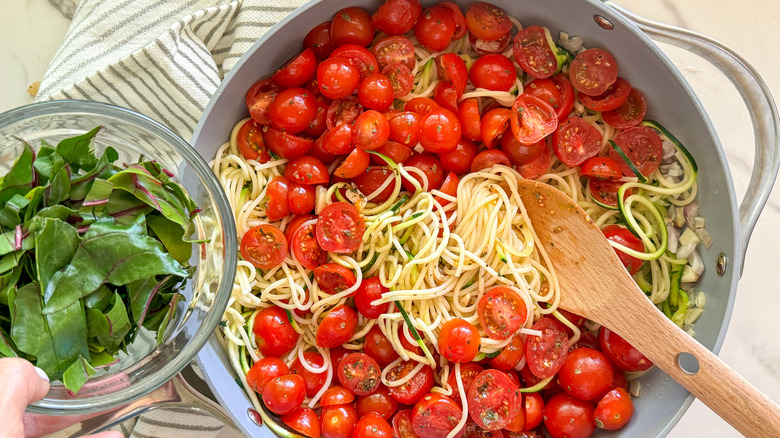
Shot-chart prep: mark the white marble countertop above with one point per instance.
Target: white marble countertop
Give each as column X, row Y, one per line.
column 31, row 31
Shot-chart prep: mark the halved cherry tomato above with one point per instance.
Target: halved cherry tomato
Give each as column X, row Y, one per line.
column 452, row 68
column 370, row 289
column 318, row 39
column 460, row 19
column 489, row 158
column 351, row 26
column 468, row 371
column 629, row 114
column 400, row 77
column 493, row 400
column 487, row 22
column 430, row 166
column 304, row 246
column 373, row 178
column 396, row 17
column 286, row 145
column 394, row 151
column 378, row 402
column 376, row 92
column 333, row 278
column 372, row 425
column 493, row 72
column 587, row 340
column 415, row 388
column 307, row 170
column 485, row 47
column 317, row 151
column 356, row 163
column 593, row 71
column 532, row 119
column 644, row 148
column 435, row 28
column 533, row 52
column 435, row 416
column 601, row 167
column 534, row 406
column 395, row 49
column 379, row 347
column 318, row 125
column 517, row 423
column 566, row 416
column 402, row 425
column 273, row 332
column 259, row 98
column 301, row 198
column 501, row 312
column 338, row 140
column 459, row 159
column 448, row 187
column 470, row 120
column 314, row 381
column 283, row 395
column 458, row 341
column 623, row 236
column 539, row 166
column 303, row 420
column 265, row 370
column 605, row 191
column 336, row 395
column 338, row 421
column 344, row 111
column 251, row 143
column 337, row 327
column 278, row 192
column 614, row 410
column 337, row 77
column 520, row 153
column 611, row 99
column 575, row 141
column 564, row 107
column 471, row 430
column 421, row 105
column 297, row 71
column 545, row 354
column 340, row 228
column 494, row 123
column 439, row 130
column 264, row 246
column 548, row 91
column 585, row 374
column 510, row 356
column 404, row 127
column 337, row 354
column 446, row 96
column 359, row 373
column 359, row 56
column 371, row 130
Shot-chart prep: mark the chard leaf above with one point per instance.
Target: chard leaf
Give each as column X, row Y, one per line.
column 43, row 162
column 9, row 214
column 14, row 240
column 59, row 211
column 8, row 283
column 109, row 253
column 6, row 346
column 9, row 261
column 77, row 374
column 111, row 327
column 96, row 200
column 56, row 243
column 101, row 359
column 36, row 198
column 80, row 185
column 58, row 189
column 19, row 180
column 100, row 299
column 141, row 294
column 171, row 235
column 125, row 208
column 77, row 152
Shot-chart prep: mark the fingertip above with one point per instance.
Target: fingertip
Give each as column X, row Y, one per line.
column 42, row 374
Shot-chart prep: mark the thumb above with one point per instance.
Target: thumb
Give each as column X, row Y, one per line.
column 22, row 384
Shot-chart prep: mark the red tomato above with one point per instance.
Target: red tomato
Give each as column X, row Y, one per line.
column 501, row 312
column 337, row 354
column 307, row 170
column 611, row 99
column 446, row 96
column 340, row 228
column 301, row 198
column 376, row 92
column 532, row 119
column 575, row 141
column 430, row 166
column 286, row 145
column 448, row 187
column 251, row 144
column 493, row 400
column 264, row 246
column 435, row 28
column 566, row 416
column 439, row 130
column 318, row 125
column 494, row 123
column 563, row 107
column 452, row 68
column 493, row 72
column 338, row 421
column 548, row 91
column 485, row 47
column 489, row 158
column 460, row 19
column 435, row 416
column 421, row 105
column 614, row 410
column 343, row 111
column 355, row 164
column 510, row 356
column 317, row 150
column 265, row 370
column 395, row 49
column 304, row 246
column 402, row 425
column 351, row 26
column 297, row 71
column 336, row 395
column 318, row 39
column 370, row 289
column 360, row 57
column 586, row 340
column 378, row 402
column 278, row 192
column 396, row 17
column 468, row 371
column 414, row 389
column 644, row 148
column 539, row 165
column 618, row 377
column 487, row 22
column 520, row 153
column 292, row 110
column 601, row 167
column 545, row 354
column 585, row 373
column 459, row 159
column 605, row 191
column 303, row 420
column 372, row 425
column 359, row 373
column 400, row 77
column 371, row 130
column 373, row 178
column 629, row 114
column 379, row 347
column 468, row 113
column 471, row 430
column 338, row 140
column 394, row 151
column 314, row 381
column 284, row 394
column 623, row 236
column 337, row 327
column 407, row 340
column 273, row 332
column 517, row 423
column 533, row 51
column 404, row 128
column 459, row 341
column 337, row 77
column 333, row 278
column 534, row 406
column 259, row 98
column 593, row 71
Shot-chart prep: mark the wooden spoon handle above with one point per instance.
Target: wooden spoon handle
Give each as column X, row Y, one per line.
column 717, row 385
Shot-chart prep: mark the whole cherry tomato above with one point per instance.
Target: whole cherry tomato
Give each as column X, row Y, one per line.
column 273, row 332
column 351, row 26
column 283, row 395
column 265, row 370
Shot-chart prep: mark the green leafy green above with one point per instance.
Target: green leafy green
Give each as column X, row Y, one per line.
column 77, row 374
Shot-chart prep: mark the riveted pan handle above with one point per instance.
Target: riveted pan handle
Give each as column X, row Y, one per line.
column 757, row 98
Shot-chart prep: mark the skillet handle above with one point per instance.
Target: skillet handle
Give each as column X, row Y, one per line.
column 757, row 98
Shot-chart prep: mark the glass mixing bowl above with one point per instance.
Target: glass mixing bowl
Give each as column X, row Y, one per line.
column 133, row 135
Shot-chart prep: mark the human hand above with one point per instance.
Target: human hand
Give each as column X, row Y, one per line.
column 22, row 384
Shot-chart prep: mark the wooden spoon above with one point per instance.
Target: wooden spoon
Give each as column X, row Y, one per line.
column 591, row 276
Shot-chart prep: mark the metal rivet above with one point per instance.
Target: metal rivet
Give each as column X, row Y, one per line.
column 603, row 22
column 255, row 417
column 720, row 264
